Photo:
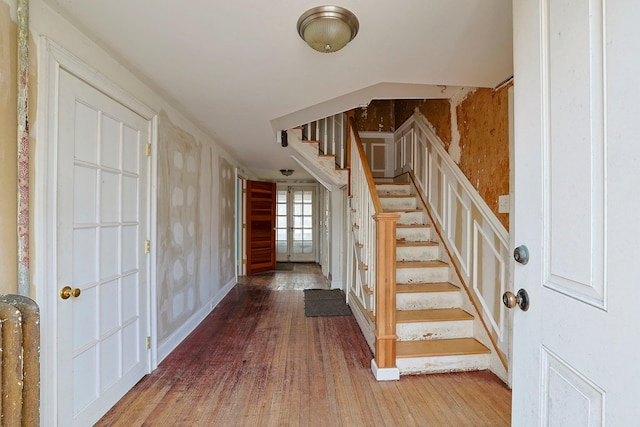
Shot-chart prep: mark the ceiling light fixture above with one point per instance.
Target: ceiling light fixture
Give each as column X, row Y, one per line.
column 286, row 172
column 327, row 28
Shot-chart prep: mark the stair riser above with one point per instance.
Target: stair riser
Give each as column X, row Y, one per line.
column 428, row 300
column 414, row 234
column 423, row 365
column 434, row 330
column 398, row 203
column 417, row 253
column 412, row 218
column 393, row 190
column 422, row 275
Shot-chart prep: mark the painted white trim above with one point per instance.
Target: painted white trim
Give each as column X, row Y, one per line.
column 384, row 374
column 170, row 344
column 153, row 236
column 52, row 58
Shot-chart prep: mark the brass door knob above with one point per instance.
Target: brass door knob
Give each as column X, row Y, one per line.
column 521, row 299
column 68, row 291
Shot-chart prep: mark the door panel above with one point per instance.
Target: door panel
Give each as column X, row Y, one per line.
column 261, row 222
column 102, row 221
column 576, row 162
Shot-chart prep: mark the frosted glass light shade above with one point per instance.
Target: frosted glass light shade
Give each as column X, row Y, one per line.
column 327, row 28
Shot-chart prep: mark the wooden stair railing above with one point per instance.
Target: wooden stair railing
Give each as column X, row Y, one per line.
column 378, row 234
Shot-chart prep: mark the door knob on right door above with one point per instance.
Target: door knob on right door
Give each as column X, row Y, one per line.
column 520, row 299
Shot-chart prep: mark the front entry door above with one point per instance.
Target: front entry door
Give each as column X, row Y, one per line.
column 295, row 224
column 102, row 283
column 577, row 168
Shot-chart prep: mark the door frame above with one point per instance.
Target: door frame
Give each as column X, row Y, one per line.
column 52, row 58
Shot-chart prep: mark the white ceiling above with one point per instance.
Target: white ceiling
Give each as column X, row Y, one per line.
column 239, row 69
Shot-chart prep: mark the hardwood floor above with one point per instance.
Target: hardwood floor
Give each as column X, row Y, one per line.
column 257, row 361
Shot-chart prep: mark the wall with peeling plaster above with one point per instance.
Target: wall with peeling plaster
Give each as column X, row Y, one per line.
column 195, row 191
column 483, row 126
column 378, row 116
column 8, row 148
column 474, row 128
column 437, row 112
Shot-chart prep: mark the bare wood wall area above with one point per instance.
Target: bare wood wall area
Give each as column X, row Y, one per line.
column 257, row 361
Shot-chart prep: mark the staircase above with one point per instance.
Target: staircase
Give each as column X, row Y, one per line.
column 434, row 333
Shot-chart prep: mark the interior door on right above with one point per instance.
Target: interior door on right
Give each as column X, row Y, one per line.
column 577, row 168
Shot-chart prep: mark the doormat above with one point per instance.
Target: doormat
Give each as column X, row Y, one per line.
column 284, row 266
column 325, row 302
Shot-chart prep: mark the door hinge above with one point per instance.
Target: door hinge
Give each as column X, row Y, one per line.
column 147, row 246
column 148, row 149
column 244, row 225
column 244, row 261
column 148, row 343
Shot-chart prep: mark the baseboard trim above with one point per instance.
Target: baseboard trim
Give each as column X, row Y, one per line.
column 168, row 345
column 384, row 374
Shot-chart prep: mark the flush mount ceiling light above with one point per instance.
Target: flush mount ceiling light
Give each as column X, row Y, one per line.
column 328, row 28
column 286, row 172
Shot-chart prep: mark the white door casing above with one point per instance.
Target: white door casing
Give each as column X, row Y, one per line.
column 577, row 164
column 63, row 175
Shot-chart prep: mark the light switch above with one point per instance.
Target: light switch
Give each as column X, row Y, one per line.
column 503, row 204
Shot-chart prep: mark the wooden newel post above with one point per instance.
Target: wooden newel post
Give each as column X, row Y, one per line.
column 385, row 330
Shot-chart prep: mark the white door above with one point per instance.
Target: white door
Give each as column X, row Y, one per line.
column 296, row 224
column 577, row 169
column 102, row 209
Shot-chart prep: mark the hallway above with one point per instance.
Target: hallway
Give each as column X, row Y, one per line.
column 256, row 360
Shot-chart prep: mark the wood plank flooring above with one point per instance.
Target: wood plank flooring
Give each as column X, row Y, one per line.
column 257, row 361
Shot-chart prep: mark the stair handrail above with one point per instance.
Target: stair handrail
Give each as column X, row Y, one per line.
column 374, row 237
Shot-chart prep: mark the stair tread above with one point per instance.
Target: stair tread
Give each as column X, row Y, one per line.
column 432, row 315
column 444, row 347
column 391, row 183
column 421, row 264
column 426, row 287
column 413, row 225
column 397, row 196
column 404, row 243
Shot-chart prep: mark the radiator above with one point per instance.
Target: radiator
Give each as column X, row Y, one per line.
column 20, row 361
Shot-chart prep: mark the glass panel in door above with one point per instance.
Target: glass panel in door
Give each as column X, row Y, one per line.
column 302, row 240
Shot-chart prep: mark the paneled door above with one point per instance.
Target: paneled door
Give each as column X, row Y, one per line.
column 261, row 226
column 577, row 168
column 296, row 224
column 102, row 266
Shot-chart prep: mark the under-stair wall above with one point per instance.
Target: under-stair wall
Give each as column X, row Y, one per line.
column 477, row 243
